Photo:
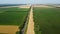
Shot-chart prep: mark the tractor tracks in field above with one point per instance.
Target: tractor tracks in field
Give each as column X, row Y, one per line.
column 30, row 28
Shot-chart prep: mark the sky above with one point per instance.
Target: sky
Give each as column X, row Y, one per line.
column 29, row 1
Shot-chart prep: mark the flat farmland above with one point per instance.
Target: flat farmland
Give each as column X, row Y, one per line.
column 11, row 17
column 47, row 20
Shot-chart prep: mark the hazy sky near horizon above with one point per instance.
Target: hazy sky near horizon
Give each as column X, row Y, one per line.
column 29, row 1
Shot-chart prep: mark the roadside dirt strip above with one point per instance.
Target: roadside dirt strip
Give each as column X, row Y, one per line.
column 8, row 29
column 30, row 28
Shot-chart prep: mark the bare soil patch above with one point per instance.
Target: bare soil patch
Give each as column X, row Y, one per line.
column 44, row 6
column 5, row 29
column 25, row 6
column 9, row 6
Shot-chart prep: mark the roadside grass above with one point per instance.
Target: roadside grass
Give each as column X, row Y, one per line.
column 47, row 20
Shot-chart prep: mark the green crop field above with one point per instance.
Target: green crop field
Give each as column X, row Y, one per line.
column 13, row 16
column 47, row 20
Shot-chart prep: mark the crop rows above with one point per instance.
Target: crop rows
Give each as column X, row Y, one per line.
column 13, row 16
column 47, row 20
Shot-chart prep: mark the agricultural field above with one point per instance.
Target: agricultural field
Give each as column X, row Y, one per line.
column 11, row 17
column 47, row 20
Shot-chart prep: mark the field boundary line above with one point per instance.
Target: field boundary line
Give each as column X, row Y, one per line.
column 24, row 27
